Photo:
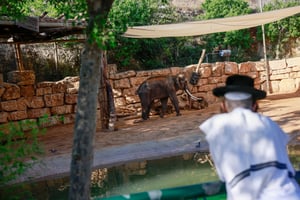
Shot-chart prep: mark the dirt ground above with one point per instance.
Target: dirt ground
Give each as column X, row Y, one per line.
column 284, row 108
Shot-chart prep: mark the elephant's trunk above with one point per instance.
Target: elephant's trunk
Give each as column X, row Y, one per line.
column 186, row 89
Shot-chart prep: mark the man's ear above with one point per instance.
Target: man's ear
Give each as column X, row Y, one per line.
column 223, row 108
column 255, row 107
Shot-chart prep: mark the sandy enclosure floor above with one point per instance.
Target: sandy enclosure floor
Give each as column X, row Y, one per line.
column 285, row 109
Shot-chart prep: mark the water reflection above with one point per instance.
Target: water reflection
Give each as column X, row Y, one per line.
column 158, row 174
column 130, row 178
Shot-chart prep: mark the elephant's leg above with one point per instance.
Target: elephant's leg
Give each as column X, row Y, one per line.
column 145, row 103
column 144, row 115
column 163, row 102
column 175, row 102
column 147, row 110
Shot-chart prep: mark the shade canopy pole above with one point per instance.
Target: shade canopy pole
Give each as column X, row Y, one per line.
column 265, row 54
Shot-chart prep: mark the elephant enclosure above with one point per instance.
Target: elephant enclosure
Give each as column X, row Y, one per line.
column 137, row 140
column 284, row 108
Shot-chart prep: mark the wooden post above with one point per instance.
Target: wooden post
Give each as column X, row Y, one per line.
column 200, row 60
column 196, row 75
column 55, row 57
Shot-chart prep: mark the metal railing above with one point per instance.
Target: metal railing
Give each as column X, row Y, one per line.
column 203, row 191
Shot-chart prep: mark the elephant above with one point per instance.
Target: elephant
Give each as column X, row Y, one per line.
column 160, row 87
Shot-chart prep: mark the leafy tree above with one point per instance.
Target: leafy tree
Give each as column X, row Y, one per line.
column 38, row 7
column 92, row 82
column 282, row 35
column 123, row 14
column 238, row 41
column 71, row 9
column 142, row 53
column 12, row 8
column 91, row 79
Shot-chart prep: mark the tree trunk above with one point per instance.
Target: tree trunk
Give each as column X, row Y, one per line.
column 85, row 125
column 91, row 73
column 102, row 96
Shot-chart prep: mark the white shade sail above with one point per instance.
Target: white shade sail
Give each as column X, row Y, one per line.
column 196, row 28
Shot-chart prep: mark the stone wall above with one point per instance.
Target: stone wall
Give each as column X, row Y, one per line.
column 41, row 58
column 285, row 75
column 125, row 84
column 22, row 98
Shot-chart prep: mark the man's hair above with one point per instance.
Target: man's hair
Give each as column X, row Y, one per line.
column 232, row 104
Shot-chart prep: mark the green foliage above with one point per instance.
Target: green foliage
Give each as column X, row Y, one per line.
column 71, row 9
column 20, row 8
column 238, row 41
column 38, row 7
column 143, row 53
column 17, row 147
column 282, row 35
column 13, row 8
column 125, row 14
column 224, row 8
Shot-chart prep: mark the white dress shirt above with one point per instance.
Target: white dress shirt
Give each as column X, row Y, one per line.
column 250, row 156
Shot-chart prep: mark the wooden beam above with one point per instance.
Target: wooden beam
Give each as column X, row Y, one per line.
column 48, row 41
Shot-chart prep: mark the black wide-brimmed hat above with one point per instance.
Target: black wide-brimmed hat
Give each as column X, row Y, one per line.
column 239, row 83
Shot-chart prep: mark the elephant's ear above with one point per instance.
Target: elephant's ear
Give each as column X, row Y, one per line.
column 179, row 78
column 180, row 81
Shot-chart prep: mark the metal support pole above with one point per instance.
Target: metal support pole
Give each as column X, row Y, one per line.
column 265, row 54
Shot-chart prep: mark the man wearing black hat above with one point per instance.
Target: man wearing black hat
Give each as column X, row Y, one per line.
column 249, row 149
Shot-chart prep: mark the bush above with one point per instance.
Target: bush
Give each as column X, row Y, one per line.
column 17, row 147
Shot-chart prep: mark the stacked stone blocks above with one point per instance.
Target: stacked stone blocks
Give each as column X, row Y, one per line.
column 23, row 99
